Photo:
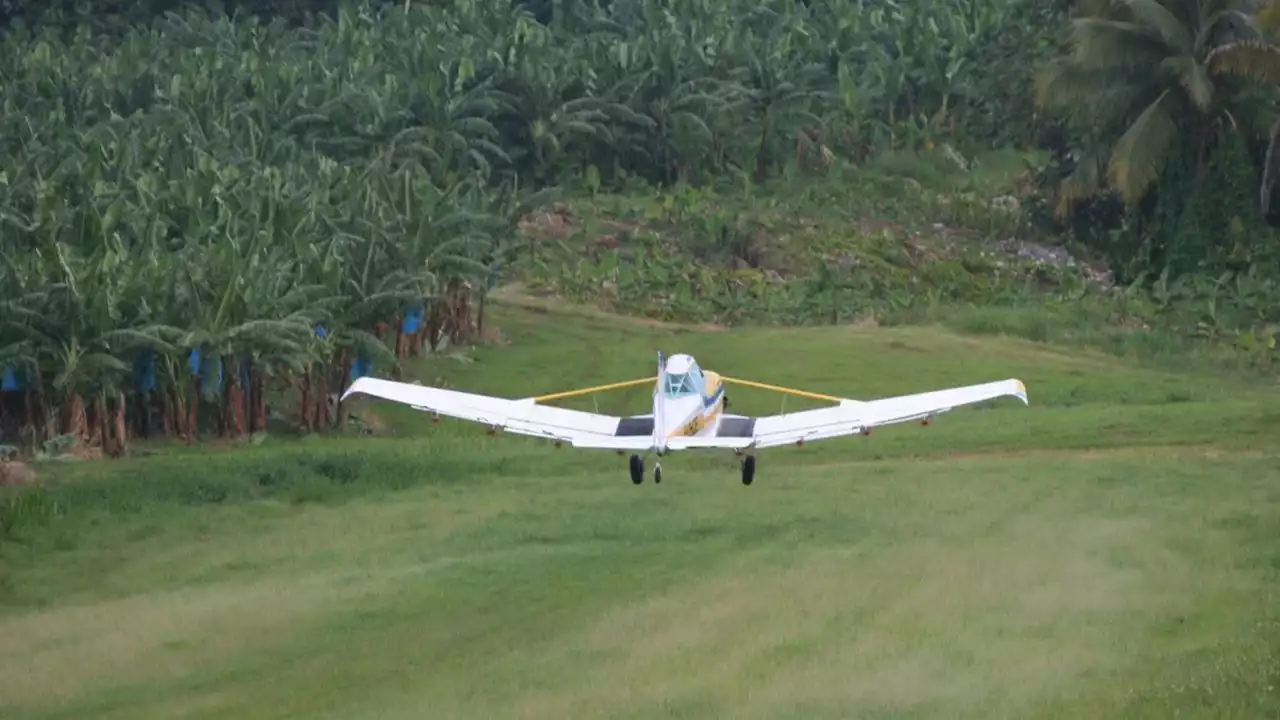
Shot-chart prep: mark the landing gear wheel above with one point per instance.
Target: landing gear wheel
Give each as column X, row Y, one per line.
column 637, row 469
column 748, row 469
column 657, row 473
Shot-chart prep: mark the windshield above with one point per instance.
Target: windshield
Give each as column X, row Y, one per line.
column 678, row 385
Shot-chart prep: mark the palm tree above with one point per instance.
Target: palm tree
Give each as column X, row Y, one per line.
column 1149, row 78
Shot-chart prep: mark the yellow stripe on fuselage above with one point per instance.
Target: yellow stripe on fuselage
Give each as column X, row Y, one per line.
column 713, row 383
column 699, row 421
column 708, row 415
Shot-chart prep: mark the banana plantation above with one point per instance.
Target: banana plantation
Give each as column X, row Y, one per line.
column 202, row 216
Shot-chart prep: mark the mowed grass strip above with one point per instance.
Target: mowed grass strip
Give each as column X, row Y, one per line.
column 1109, row 551
column 1130, row 580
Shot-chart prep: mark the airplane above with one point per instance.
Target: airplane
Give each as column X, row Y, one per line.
column 689, row 412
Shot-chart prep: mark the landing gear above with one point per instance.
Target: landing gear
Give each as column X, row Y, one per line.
column 637, row 470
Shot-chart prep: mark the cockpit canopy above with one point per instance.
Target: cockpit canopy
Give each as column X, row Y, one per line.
column 679, row 385
column 683, row 377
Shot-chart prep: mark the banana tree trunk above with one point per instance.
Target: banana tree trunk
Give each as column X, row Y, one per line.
column 47, row 420
column 193, row 414
column 99, row 424
column 416, row 341
column 119, row 440
column 435, row 321
column 761, row 165
column 30, row 426
column 459, row 312
column 307, row 404
column 400, row 338
column 233, row 408
column 181, row 422
column 257, row 400
column 340, row 413
column 321, row 418
column 75, row 420
column 167, row 414
column 9, row 414
column 141, row 413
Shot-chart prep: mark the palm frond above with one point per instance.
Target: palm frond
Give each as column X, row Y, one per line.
column 1111, row 44
column 1194, row 79
column 1140, row 153
column 1171, row 29
column 1084, row 182
column 1062, row 83
column 1252, row 59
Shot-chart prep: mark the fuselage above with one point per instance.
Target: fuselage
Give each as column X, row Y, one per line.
column 687, row 400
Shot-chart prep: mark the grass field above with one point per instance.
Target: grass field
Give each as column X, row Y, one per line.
column 1111, row 551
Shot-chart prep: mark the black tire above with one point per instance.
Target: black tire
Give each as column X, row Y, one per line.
column 657, row 475
column 637, row 469
column 748, row 469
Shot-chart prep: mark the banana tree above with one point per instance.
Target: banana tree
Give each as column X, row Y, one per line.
column 76, row 337
column 778, row 91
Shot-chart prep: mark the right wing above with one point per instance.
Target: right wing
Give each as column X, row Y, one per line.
column 522, row 417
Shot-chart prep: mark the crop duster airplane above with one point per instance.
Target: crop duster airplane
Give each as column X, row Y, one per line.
column 688, row 413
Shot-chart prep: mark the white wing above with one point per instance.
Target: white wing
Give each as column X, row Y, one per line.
column 523, row 417
column 853, row 416
column 850, row 417
column 594, row 430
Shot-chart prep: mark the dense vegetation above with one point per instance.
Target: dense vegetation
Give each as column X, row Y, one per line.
column 1173, row 108
column 198, row 209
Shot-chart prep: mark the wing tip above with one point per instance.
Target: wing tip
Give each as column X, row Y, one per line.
column 1021, row 392
column 352, row 389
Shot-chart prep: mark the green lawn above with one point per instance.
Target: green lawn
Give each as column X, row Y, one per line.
column 1111, row 551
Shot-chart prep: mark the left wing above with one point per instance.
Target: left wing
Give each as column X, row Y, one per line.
column 849, row 417
column 523, row 417
column 853, row 416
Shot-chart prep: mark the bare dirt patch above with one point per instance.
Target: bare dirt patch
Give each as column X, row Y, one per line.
column 13, row 472
column 554, row 223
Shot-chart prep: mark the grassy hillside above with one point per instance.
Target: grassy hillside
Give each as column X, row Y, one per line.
column 909, row 230
column 1108, row 551
column 911, row 238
